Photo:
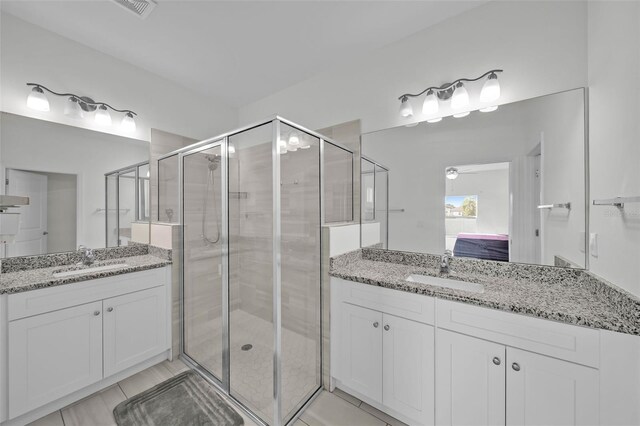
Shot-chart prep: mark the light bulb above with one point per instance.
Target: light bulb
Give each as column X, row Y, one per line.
column 451, row 173
column 292, row 148
column 294, row 140
column 282, row 146
column 37, row 99
column 232, row 149
column 103, row 117
column 72, row 108
column 405, row 107
column 491, row 89
column 489, row 109
column 460, row 98
column 430, row 105
column 128, row 124
column 461, row 114
column 434, row 120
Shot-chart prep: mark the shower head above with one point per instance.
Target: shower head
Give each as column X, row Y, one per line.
column 214, row 161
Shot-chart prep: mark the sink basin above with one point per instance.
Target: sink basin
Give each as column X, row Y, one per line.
column 77, row 270
column 446, row 282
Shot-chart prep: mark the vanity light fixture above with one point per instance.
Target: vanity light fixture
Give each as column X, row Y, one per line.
column 37, row 100
column 435, row 120
column 102, row 116
column 231, row 149
column 77, row 105
column 457, row 93
column 491, row 89
column 460, row 97
column 405, row 107
column 451, row 173
column 72, row 108
column 294, row 140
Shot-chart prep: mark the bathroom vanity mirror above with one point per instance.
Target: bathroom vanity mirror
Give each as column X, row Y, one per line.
column 85, row 187
column 507, row 185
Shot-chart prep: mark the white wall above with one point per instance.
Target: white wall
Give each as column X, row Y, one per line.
column 32, row 54
column 42, row 146
column 540, row 45
column 614, row 111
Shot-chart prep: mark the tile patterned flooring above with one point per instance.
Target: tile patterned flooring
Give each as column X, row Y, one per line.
column 329, row 409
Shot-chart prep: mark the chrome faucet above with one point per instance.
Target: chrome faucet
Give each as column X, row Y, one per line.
column 444, row 262
column 87, row 255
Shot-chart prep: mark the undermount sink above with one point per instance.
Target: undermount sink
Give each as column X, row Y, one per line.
column 77, row 270
column 446, row 283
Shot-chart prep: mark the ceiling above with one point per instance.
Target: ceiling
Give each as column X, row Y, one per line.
column 237, row 51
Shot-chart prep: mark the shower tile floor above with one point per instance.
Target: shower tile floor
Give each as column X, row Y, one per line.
column 252, row 370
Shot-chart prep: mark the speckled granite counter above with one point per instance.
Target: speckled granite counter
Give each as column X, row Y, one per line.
column 34, row 272
column 567, row 295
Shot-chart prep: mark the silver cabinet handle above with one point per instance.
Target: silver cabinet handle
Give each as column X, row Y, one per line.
column 515, row 366
column 96, row 313
column 496, row 360
column 45, row 233
column 375, row 324
column 386, row 327
column 109, row 309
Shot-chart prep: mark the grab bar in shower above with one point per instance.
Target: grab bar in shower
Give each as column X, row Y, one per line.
column 617, row 201
column 556, row 206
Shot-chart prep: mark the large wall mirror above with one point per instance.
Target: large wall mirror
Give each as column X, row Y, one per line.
column 507, row 185
column 85, row 187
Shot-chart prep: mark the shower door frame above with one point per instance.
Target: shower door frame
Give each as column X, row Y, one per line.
column 224, row 385
column 117, row 173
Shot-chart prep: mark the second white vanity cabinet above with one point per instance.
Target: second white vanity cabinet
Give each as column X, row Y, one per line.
column 485, row 383
column 63, row 339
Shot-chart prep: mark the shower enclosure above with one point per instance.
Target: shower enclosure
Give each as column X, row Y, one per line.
column 126, row 201
column 374, row 205
column 251, row 210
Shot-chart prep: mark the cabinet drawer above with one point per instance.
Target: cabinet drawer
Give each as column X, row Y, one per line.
column 50, row 299
column 403, row 304
column 572, row 343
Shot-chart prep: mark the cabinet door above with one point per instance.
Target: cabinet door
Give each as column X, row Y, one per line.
column 547, row 391
column 408, row 368
column 135, row 328
column 470, row 380
column 52, row 355
column 361, row 367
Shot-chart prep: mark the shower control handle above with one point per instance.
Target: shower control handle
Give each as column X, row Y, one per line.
column 375, row 324
column 96, row 313
column 386, row 327
column 109, row 309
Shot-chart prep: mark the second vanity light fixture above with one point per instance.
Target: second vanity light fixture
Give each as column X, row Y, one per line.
column 77, row 105
column 458, row 95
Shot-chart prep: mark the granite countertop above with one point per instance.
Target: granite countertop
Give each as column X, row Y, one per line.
column 32, row 279
column 569, row 296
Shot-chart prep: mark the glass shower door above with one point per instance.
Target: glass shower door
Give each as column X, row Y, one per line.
column 204, row 258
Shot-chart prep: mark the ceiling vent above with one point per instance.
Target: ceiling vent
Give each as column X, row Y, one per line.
column 141, row 8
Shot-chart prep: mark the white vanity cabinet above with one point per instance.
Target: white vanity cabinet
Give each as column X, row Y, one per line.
column 454, row 363
column 480, row 382
column 134, row 328
column 70, row 340
column 53, row 354
column 385, row 358
column 470, row 380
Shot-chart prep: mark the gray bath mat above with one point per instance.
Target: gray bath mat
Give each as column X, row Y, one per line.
column 186, row 399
